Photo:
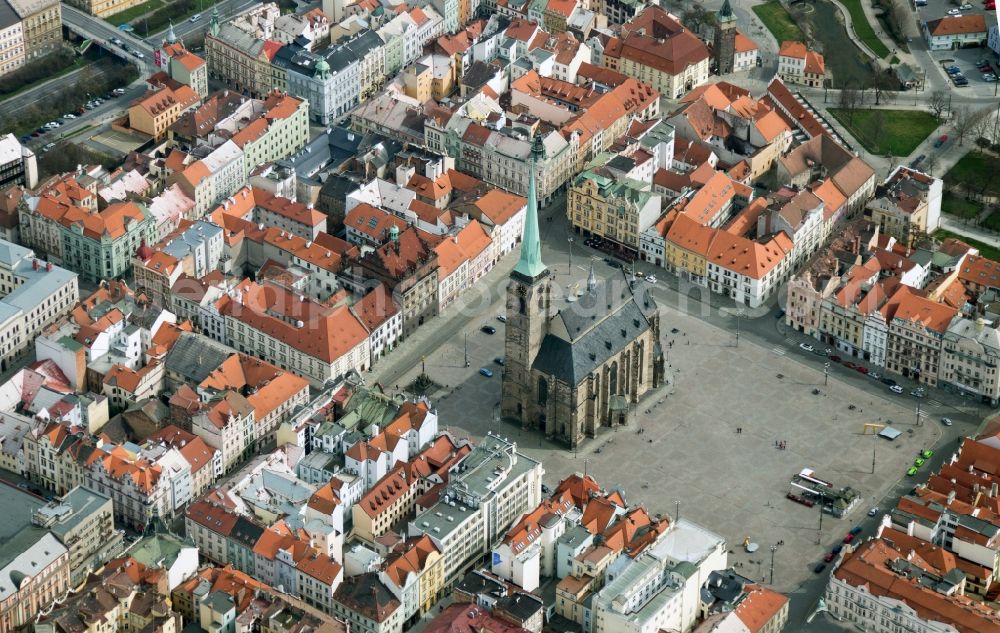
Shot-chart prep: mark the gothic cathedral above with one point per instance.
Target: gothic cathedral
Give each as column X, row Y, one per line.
column 568, row 371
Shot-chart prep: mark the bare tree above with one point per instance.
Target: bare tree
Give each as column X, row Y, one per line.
column 898, row 15
column 850, row 99
column 982, row 126
column 875, row 130
column 938, row 102
column 968, row 121
column 882, row 83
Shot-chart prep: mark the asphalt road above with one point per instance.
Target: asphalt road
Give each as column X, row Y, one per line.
column 45, row 91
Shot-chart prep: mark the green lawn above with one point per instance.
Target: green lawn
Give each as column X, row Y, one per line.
column 778, row 22
column 900, row 132
column 987, row 251
column 863, row 29
column 992, row 221
column 971, row 168
column 959, row 206
column 130, row 14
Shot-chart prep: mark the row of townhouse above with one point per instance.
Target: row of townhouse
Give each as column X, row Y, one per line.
column 249, row 55
column 28, row 29
column 902, row 310
column 158, row 478
column 62, row 220
column 936, row 553
column 272, row 555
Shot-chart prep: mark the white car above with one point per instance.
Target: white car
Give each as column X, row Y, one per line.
column 966, row 7
column 873, row 511
column 953, row 11
column 946, row 421
column 896, row 389
column 651, row 279
column 195, row 17
column 807, row 347
column 69, row 116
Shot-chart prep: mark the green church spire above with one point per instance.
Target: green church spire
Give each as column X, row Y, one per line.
column 530, row 264
column 726, row 12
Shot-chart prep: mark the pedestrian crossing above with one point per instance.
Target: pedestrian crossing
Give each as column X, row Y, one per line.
column 934, row 404
column 780, row 351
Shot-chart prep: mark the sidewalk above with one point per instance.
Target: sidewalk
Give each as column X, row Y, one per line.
column 973, row 232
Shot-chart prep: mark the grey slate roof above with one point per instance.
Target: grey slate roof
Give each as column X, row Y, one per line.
column 588, row 332
column 8, row 16
column 240, row 40
column 194, row 356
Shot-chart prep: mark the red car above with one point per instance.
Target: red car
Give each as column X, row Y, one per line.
column 835, row 359
column 850, row 365
column 848, row 538
column 829, row 556
column 863, row 370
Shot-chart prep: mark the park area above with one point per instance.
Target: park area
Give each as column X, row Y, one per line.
column 887, row 132
column 778, row 21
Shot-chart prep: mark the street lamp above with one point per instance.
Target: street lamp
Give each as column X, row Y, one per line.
column 570, row 271
column 874, row 445
column 774, row 548
column 826, row 374
column 739, row 314
column 466, row 349
column 677, row 511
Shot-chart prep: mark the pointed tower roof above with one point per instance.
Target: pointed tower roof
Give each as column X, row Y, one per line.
column 530, row 264
column 591, row 279
column 726, row 12
column 171, row 36
column 214, row 28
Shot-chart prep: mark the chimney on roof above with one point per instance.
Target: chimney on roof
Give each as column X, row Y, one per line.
column 993, row 490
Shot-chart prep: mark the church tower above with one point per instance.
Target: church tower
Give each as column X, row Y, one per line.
column 527, row 310
column 725, row 39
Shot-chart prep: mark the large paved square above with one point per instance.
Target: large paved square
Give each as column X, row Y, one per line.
column 689, row 451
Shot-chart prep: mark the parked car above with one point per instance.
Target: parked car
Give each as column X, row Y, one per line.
column 918, row 462
column 873, row 511
column 953, row 11
column 888, row 381
column 850, row 365
column 829, row 556
column 779, row 314
column 946, row 421
column 874, row 375
column 941, row 140
column 917, row 393
column 651, row 279
column 857, row 529
column 896, row 389
column 807, row 347
column 848, row 538
column 69, row 116
column 486, row 372
column 498, row 360
column 953, row 70
column 966, row 7
column 927, row 453
column 835, row 358
column 502, row 318
column 818, row 569
column 863, row 370
column 911, row 471
column 989, row 78
column 488, row 329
